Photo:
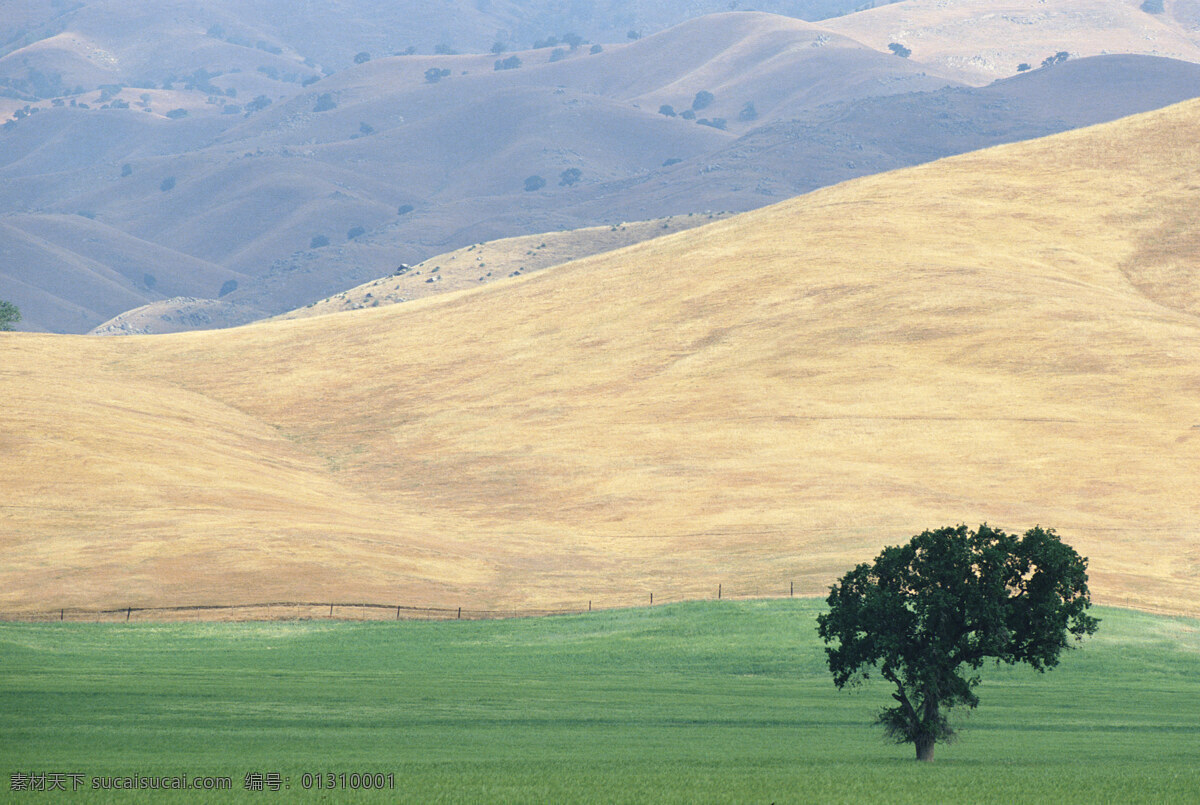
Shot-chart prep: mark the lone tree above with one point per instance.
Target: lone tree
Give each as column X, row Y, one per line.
column 9, row 315
column 927, row 613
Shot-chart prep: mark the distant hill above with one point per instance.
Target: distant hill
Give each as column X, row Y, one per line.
column 54, row 46
column 399, row 159
column 978, row 41
column 1003, row 336
column 414, row 167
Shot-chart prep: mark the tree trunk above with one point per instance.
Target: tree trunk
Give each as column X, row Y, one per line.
column 925, row 748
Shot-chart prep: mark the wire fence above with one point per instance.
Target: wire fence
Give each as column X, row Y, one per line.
column 362, row 611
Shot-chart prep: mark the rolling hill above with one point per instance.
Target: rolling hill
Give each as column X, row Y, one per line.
column 1007, row 335
column 978, row 41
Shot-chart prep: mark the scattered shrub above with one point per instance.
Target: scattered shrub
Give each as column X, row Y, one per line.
column 688, row 114
column 511, row 63
column 126, row 170
column 318, row 241
column 748, row 112
column 176, row 114
column 167, row 184
column 149, row 280
column 362, row 57
column 1153, row 6
column 534, row 183
column 404, row 209
column 703, row 100
column 667, row 109
column 596, row 49
column 435, row 74
column 1057, row 58
column 899, row 50
column 1023, row 66
column 445, row 50
column 558, row 54
column 570, row 177
column 355, row 232
column 325, row 102
column 672, row 161
column 227, row 288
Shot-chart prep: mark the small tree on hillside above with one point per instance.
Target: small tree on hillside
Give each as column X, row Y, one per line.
column 9, row 315
column 927, row 613
column 703, row 100
column 899, row 50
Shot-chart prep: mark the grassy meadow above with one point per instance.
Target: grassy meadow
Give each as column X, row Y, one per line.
column 717, row 701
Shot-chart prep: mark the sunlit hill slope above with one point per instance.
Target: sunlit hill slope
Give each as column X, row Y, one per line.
column 1010, row 336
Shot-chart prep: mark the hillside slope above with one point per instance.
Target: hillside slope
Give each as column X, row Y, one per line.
column 768, row 398
column 978, row 41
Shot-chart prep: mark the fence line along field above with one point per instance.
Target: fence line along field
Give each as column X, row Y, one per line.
column 994, row 337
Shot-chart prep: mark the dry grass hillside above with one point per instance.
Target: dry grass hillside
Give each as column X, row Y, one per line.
column 483, row 263
column 978, row 41
column 999, row 336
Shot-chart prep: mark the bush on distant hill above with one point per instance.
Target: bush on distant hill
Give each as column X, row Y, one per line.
column 258, row 104
column 534, row 183
column 667, row 109
column 558, row 54
column 703, row 100
column 569, row 177
column 1057, row 58
column 404, row 209
column 167, row 184
column 498, row 48
column 511, row 63
column 228, row 287
column 355, row 232
column 362, row 57
column 1023, row 66
column 435, row 74
column 1153, row 6
column 176, row 114
column 688, row 114
column 149, row 280
column 596, row 49
column 672, row 161
column 716, row 122
column 748, row 112
column 318, row 241
column 445, row 50
column 126, row 170
column 634, row 35
column 899, row 50
column 325, row 102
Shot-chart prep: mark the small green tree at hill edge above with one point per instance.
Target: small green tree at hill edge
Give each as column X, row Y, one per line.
column 9, row 315
column 926, row 614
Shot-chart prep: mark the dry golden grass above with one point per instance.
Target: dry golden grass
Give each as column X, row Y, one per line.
column 769, row 398
column 484, row 263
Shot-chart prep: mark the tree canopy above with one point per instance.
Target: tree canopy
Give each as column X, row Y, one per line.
column 9, row 315
column 926, row 614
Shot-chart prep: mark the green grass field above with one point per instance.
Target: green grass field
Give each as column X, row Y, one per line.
column 718, row 702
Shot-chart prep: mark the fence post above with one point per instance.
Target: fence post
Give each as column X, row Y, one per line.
column 331, row 610
column 792, row 592
column 62, row 615
column 128, row 612
column 589, row 605
column 652, row 599
column 397, row 613
column 459, row 614
column 718, row 592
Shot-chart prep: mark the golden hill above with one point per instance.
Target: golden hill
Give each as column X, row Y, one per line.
column 1000, row 336
column 483, row 263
